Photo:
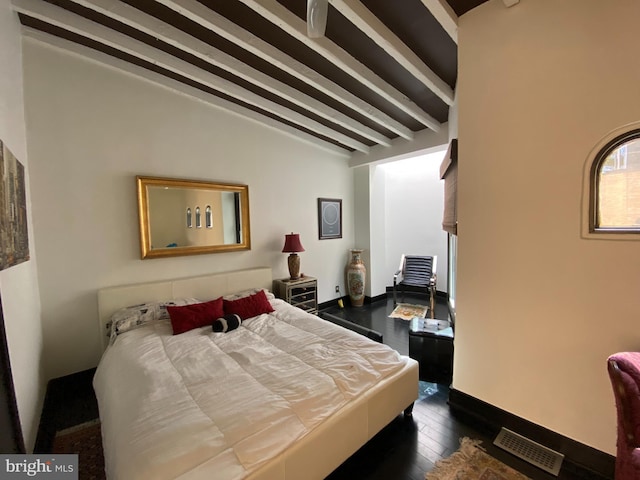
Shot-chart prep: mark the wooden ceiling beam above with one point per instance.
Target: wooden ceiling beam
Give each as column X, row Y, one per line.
column 426, row 141
column 372, row 27
column 198, row 13
column 173, row 36
column 444, row 14
column 280, row 16
column 69, row 21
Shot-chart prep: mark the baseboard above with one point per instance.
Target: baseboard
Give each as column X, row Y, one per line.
column 328, row 304
column 581, row 460
column 368, row 300
column 347, row 302
column 377, row 298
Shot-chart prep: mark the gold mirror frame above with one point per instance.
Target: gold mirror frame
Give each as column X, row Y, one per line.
column 144, row 184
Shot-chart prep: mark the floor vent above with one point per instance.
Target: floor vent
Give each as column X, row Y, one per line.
column 530, row 451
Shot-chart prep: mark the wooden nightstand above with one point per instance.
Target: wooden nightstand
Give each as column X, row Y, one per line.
column 301, row 293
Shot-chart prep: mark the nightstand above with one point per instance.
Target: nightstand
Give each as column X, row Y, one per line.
column 301, row 293
column 69, row 401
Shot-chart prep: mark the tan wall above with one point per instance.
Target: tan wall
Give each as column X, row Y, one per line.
column 539, row 307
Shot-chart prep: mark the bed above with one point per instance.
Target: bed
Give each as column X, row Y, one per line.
column 284, row 396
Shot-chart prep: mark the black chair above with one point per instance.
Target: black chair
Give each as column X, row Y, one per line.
column 417, row 273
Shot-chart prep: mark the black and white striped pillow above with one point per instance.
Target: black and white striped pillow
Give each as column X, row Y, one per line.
column 226, row 323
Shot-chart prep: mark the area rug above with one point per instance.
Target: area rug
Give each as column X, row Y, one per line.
column 86, row 441
column 408, row 311
column 470, row 462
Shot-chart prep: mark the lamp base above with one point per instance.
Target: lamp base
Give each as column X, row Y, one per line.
column 294, row 266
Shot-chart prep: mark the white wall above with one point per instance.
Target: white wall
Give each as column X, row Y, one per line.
column 399, row 207
column 413, row 207
column 539, row 308
column 362, row 223
column 92, row 129
column 378, row 280
column 19, row 284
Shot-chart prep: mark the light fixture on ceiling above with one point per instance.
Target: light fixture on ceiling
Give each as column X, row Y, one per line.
column 510, row 3
column 317, row 11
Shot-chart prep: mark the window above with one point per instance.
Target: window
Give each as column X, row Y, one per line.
column 615, row 186
column 452, row 272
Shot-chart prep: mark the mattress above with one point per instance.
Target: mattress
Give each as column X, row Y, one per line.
column 246, row 403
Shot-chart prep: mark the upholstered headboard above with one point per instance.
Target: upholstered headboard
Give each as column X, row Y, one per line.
column 204, row 287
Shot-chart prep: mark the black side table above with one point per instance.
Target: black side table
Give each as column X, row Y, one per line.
column 431, row 344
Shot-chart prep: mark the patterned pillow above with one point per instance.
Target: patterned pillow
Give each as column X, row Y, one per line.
column 135, row 316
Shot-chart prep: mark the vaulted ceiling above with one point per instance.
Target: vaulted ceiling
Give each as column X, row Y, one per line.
column 384, row 72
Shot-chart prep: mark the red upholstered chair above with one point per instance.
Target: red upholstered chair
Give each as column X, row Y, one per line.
column 624, row 371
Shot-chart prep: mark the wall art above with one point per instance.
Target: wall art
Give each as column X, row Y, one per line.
column 329, row 218
column 14, row 235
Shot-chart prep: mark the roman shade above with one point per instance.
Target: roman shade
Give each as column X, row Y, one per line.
column 449, row 173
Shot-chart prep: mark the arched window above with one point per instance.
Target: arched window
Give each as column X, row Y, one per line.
column 615, row 186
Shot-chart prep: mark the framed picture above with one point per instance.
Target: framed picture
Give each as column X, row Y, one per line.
column 14, row 244
column 329, row 218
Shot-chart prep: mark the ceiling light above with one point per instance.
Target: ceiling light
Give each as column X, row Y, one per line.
column 317, row 17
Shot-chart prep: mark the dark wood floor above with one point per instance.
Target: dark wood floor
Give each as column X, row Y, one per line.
column 404, row 450
column 409, row 447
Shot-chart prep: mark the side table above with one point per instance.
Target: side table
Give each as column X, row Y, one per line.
column 431, row 344
column 301, row 293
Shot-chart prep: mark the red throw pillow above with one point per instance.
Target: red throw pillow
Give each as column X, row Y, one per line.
column 188, row 317
column 250, row 306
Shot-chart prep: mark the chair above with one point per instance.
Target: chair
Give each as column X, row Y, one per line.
column 417, row 273
column 624, row 372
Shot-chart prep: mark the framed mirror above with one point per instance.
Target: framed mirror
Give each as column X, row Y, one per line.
column 189, row 217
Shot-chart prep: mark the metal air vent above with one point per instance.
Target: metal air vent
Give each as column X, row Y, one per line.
column 530, row 451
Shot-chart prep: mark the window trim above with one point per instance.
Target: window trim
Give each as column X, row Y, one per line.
column 594, row 175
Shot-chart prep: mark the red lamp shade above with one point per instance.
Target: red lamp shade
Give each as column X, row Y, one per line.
column 292, row 243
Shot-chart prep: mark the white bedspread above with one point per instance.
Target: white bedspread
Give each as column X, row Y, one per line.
column 219, row 405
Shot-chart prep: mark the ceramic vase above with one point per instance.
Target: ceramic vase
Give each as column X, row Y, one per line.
column 356, row 275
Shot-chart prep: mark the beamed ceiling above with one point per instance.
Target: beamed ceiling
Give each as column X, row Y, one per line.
column 384, row 72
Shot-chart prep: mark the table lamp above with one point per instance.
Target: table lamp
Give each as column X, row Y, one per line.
column 292, row 245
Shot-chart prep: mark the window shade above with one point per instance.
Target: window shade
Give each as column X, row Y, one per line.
column 449, row 173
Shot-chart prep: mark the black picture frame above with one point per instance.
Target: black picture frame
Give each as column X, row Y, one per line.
column 329, row 218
